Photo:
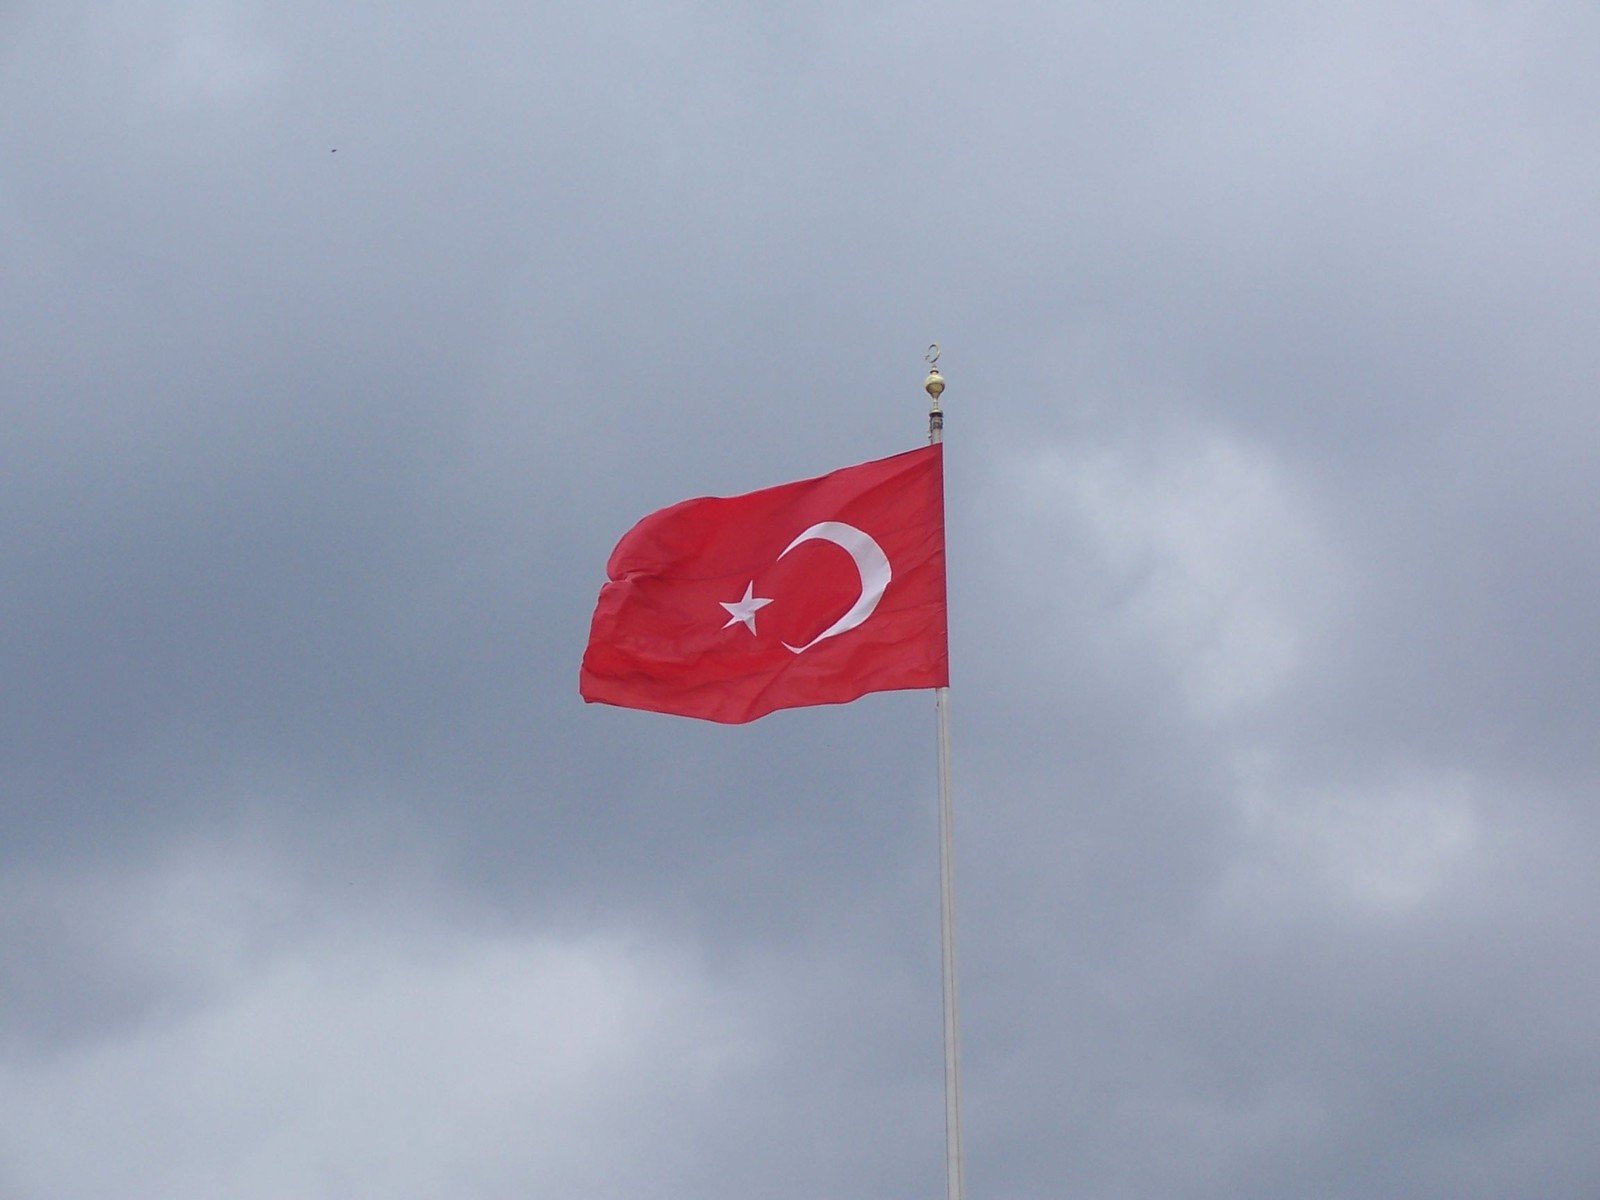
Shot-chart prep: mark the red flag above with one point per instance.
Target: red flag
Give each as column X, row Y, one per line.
column 816, row 592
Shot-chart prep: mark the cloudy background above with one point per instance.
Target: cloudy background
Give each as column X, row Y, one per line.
column 339, row 343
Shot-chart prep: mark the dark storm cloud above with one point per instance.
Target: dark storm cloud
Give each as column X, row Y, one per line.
column 1273, row 554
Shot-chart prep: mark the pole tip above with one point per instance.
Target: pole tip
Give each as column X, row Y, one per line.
column 934, row 383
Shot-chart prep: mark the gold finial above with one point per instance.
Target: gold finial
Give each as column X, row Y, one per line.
column 934, row 384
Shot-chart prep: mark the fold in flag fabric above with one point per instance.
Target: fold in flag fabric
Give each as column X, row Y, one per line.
column 727, row 608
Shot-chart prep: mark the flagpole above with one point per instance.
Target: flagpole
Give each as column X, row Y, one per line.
column 955, row 1174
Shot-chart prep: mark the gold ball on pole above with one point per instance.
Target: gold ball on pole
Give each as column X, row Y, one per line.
column 934, row 386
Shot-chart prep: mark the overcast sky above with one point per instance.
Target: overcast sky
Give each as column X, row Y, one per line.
column 340, row 342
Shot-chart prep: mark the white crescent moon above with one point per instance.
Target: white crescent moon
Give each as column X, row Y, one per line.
column 871, row 563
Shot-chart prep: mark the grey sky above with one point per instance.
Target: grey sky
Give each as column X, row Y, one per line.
column 338, row 344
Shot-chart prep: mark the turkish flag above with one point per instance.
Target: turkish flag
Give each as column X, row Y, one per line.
column 817, row 592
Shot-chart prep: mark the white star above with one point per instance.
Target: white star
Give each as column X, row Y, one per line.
column 745, row 610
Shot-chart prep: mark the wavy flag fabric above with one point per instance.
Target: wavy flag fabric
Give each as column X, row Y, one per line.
column 727, row 608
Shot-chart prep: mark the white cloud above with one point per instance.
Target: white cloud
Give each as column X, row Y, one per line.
column 1193, row 546
column 211, row 57
column 1390, row 847
column 305, row 1055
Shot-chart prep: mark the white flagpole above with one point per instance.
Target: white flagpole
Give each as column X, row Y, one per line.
column 955, row 1174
